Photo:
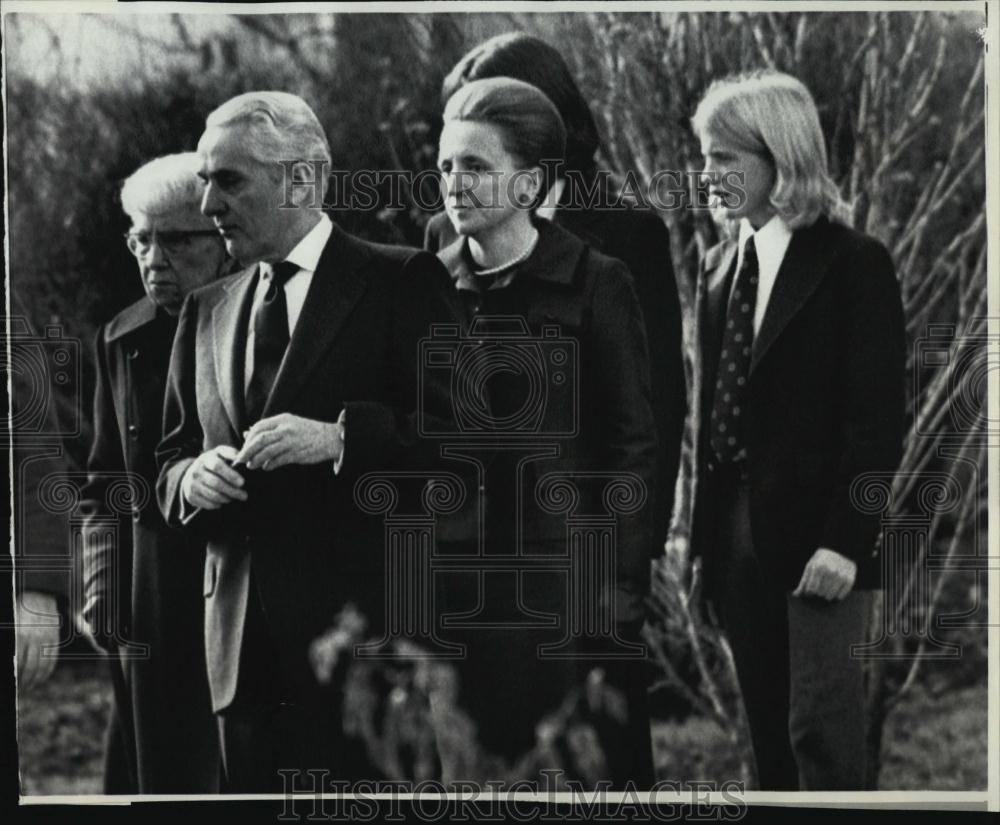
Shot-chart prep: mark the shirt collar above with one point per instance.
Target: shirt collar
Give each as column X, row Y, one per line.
column 307, row 252
column 773, row 235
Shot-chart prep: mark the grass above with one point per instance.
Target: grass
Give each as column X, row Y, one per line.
column 60, row 731
column 695, row 749
column 933, row 741
column 937, row 742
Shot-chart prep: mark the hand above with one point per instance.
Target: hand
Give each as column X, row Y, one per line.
column 211, row 481
column 828, row 575
column 37, row 629
column 289, row 439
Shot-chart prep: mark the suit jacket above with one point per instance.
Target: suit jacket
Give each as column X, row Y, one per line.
column 639, row 239
column 354, row 348
column 825, row 400
column 591, row 299
column 152, row 573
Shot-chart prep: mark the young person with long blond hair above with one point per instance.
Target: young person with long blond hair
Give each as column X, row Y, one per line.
column 802, row 366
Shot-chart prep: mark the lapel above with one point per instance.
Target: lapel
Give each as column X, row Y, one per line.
column 720, row 266
column 455, row 260
column 130, row 319
column 806, row 262
column 337, row 284
column 230, row 319
column 556, row 259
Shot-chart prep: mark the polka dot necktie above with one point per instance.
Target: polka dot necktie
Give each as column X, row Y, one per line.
column 728, row 407
column 270, row 339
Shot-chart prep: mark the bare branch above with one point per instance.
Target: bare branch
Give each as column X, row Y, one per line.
column 965, row 518
column 758, row 37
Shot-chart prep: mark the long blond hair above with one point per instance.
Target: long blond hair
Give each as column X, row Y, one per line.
column 772, row 114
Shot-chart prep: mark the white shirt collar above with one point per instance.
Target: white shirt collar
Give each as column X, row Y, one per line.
column 771, row 238
column 307, row 252
column 305, row 255
column 771, row 243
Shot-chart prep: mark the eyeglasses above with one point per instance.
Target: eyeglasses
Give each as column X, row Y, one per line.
column 173, row 242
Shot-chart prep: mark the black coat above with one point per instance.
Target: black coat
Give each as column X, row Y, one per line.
column 590, row 299
column 312, row 549
column 825, row 402
column 152, row 574
column 598, row 422
column 639, row 239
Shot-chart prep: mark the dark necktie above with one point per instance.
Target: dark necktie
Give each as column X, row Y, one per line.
column 728, row 407
column 270, row 331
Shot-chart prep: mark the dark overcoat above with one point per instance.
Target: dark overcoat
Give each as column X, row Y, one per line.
column 588, row 461
column 826, row 399
column 151, row 572
column 639, row 239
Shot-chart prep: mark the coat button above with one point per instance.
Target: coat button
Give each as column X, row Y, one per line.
column 133, row 353
column 136, row 513
column 133, row 431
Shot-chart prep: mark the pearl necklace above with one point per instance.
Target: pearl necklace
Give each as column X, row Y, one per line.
column 521, row 258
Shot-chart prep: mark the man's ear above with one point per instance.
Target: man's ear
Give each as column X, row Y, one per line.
column 307, row 185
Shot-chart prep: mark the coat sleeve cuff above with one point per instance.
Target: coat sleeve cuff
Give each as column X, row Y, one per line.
column 338, row 462
column 186, row 511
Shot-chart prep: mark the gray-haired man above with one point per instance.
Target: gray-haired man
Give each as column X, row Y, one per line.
column 274, row 371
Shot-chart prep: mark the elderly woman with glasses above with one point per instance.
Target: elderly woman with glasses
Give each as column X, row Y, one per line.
column 142, row 586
